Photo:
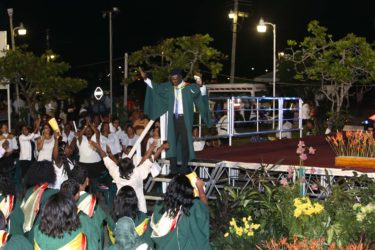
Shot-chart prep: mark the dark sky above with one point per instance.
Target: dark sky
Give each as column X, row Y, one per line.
column 80, row 35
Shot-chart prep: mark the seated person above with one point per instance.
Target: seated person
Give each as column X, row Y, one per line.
column 181, row 221
column 10, row 206
column 126, row 236
column 126, row 206
column 91, row 215
column 8, row 241
column 38, row 179
column 59, row 226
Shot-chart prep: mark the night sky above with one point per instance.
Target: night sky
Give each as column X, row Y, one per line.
column 79, row 33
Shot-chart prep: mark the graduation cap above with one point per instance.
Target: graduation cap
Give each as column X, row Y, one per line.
column 176, row 71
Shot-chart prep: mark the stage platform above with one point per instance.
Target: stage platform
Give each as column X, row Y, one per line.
column 273, row 151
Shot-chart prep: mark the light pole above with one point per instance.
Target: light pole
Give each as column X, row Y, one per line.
column 110, row 14
column 234, row 16
column 21, row 31
column 262, row 27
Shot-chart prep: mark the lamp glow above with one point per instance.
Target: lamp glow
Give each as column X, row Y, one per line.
column 261, row 26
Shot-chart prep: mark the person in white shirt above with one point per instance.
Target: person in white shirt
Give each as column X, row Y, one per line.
column 155, row 138
column 110, row 139
column 61, row 162
column 45, row 144
column 88, row 157
column 125, row 173
column 27, row 141
column 131, row 137
column 68, row 135
column 10, row 144
column 5, row 135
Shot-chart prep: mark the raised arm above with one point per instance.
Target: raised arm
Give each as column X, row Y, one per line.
column 36, row 126
column 164, row 146
column 55, row 152
column 96, row 131
column 148, row 153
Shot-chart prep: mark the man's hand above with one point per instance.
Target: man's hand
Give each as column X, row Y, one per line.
column 143, row 74
column 165, row 146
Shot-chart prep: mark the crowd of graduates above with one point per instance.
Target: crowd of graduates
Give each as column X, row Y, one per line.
column 52, row 185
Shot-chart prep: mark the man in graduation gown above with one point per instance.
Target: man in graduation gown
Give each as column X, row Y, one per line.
column 180, row 99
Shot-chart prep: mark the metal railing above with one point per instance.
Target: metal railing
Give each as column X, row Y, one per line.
column 258, row 118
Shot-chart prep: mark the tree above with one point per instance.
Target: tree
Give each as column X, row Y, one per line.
column 337, row 64
column 38, row 76
column 190, row 53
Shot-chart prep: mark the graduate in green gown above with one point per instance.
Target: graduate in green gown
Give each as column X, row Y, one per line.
column 10, row 206
column 59, row 226
column 126, row 236
column 90, row 213
column 11, row 242
column 181, row 221
column 40, row 175
column 126, row 205
column 180, row 99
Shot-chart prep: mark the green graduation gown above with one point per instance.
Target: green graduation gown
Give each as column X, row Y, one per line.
column 161, row 98
column 46, row 242
column 190, row 233
column 92, row 226
column 138, row 220
column 46, row 194
column 15, row 218
column 15, row 242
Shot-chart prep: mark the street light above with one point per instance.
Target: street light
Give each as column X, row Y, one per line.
column 110, row 13
column 262, row 27
column 234, row 16
column 21, row 31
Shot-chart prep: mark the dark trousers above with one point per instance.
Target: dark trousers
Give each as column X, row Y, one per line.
column 182, row 139
column 24, row 166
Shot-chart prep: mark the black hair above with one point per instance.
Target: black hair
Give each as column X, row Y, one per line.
column 102, row 126
column 59, row 215
column 2, row 221
column 126, row 167
column 179, row 194
column 70, row 187
column 125, row 203
column 40, row 172
column 42, row 128
column 79, row 173
column 131, row 127
column 7, row 186
column 63, row 158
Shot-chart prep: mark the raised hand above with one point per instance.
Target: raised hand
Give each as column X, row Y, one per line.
column 143, row 74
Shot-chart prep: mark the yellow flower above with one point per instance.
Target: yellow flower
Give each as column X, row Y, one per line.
column 233, row 222
column 239, row 231
column 297, row 202
column 244, row 219
column 249, row 218
column 247, row 225
column 318, row 208
column 309, row 211
column 226, row 235
column 255, row 226
column 251, row 233
column 297, row 212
